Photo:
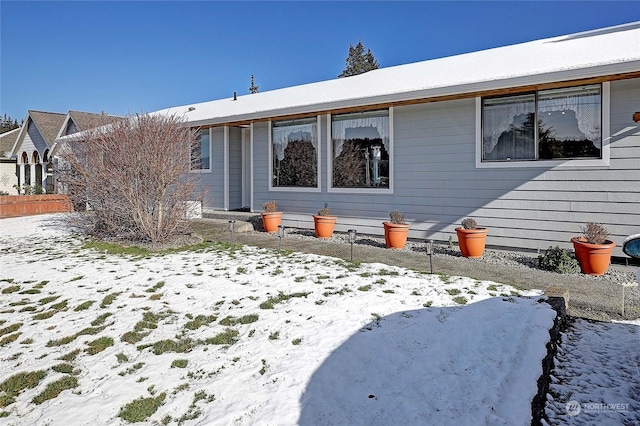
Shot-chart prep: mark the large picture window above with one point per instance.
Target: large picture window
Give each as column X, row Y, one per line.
column 545, row 125
column 295, row 153
column 201, row 152
column 360, row 150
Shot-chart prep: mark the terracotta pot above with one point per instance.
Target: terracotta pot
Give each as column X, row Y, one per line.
column 395, row 234
column 594, row 259
column 472, row 241
column 271, row 221
column 324, row 225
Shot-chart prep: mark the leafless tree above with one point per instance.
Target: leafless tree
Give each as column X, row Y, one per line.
column 134, row 177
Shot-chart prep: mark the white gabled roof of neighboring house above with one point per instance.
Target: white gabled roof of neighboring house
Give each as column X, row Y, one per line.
column 601, row 52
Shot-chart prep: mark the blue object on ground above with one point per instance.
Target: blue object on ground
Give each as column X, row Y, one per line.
column 631, row 246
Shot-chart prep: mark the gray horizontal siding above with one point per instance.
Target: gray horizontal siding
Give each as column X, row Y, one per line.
column 436, row 183
column 235, row 168
column 213, row 182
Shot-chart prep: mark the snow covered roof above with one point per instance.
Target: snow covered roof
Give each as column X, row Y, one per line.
column 606, row 51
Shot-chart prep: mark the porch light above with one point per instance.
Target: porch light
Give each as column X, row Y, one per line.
column 352, row 239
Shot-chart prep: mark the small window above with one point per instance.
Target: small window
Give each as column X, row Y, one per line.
column 295, row 153
column 360, row 150
column 546, row 125
column 201, row 152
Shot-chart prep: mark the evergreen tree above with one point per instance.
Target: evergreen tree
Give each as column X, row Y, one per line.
column 7, row 124
column 253, row 88
column 359, row 61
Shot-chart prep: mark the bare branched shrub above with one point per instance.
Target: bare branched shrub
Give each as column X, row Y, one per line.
column 270, row 206
column 397, row 217
column 595, row 233
column 469, row 223
column 134, row 176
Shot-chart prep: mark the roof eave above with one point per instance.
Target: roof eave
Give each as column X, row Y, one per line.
column 632, row 66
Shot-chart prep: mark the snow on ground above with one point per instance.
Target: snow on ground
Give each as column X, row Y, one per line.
column 247, row 336
column 596, row 379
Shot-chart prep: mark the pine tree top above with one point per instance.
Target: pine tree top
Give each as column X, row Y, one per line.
column 358, row 61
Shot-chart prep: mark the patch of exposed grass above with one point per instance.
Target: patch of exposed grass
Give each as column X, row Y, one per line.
column 71, row 356
column 5, row 401
column 28, row 309
column 296, row 341
column 427, row 304
column 60, row 306
column 460, row 300
column 135, row 367
column 492, row 287
column 365, row 287
column 274, row 336
column 45, row 315
column 113, row 248
column 28, row 341
column 11, row 289
column 21, row 381
column 48, row 299
column 453, row 291
column 63, row 368
column 231, row 321
column 122, row 358
column 10, row 329
column 31, row 291
column 133, row 337
column 341, row 292
column 68, row 339
column 141, row 409
column 9, row 338
column 179, row 363
column 388, row 291
column 109, row 299
column 272, row 301
column 99, row 345
column 84, row 305
column 20, row 302
column 168, row 345
column 41, row 284
column 101, row 319
column 156, row 287
column 53, row 389
column 199, row 321
column 228, row 337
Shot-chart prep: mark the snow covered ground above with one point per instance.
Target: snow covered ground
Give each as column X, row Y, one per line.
column 247, row 336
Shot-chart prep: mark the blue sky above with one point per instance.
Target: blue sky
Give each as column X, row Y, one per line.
column 140, row 56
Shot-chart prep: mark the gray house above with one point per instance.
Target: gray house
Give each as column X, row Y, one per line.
column 531, row 140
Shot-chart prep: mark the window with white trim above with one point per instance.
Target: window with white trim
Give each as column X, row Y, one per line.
column 551, row 124
column 201, row 151
column 294, row 145
column 360, row 148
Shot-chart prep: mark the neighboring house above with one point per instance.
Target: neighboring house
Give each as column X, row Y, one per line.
column 532, row 140
column 8, row 177
column 34, row 146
